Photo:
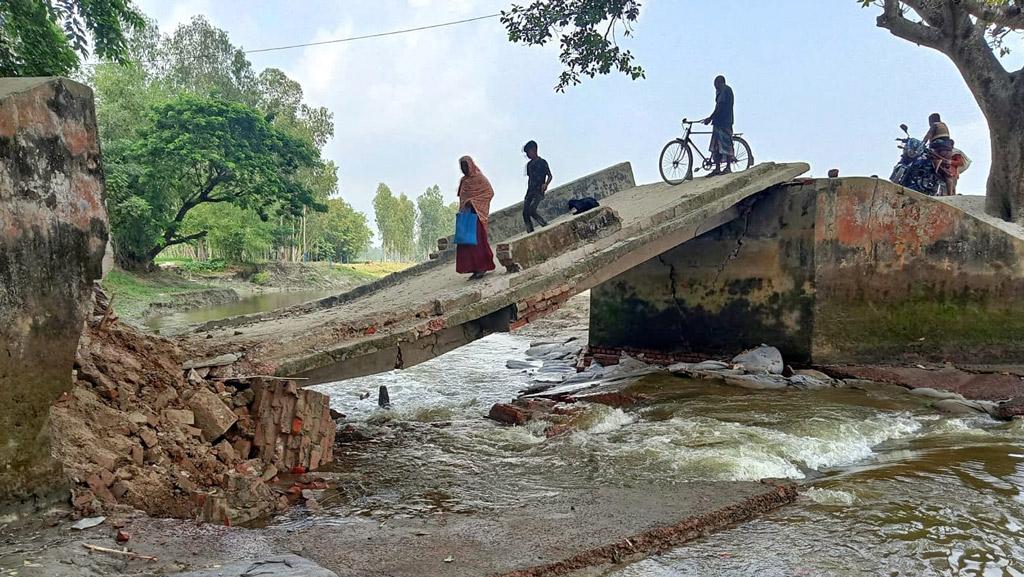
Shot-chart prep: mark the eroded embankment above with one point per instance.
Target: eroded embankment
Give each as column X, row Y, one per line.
column 146, row 428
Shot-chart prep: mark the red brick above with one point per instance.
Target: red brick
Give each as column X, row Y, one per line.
column 509, row 414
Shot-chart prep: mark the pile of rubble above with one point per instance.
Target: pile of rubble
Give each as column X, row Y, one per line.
column 144, row 428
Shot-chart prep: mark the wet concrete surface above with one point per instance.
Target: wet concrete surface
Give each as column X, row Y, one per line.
column 574, row 531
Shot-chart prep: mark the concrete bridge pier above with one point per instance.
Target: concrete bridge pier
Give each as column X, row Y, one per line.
column 832, row 272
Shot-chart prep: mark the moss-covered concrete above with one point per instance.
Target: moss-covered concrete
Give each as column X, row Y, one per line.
column 831, row 271
column 53, row 232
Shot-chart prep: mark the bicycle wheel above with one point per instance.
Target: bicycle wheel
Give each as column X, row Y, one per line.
column 676, row 162
column 744, row 158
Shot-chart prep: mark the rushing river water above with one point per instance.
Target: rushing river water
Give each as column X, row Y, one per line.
column 247, row 305
column 889, row 487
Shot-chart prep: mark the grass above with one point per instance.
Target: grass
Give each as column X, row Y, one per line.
column 378, row 269
column 134, row 293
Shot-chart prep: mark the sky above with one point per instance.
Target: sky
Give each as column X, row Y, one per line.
column 815, row 81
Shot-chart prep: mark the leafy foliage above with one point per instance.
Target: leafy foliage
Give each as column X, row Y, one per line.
column 49, row 37
column 340, row 234
column 586, row 30
column 396, row 222
column 197, row 151
column 436, row 219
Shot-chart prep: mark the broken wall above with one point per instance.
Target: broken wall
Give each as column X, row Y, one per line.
column 831, row 271
column 53, row 232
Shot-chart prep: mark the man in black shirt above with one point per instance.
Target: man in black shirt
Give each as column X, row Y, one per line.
column 539, row 177
column 721, row 121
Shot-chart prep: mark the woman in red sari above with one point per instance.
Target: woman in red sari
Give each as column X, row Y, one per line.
column 475, row 194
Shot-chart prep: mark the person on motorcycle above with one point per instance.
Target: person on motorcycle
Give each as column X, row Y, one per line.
column 941, row 145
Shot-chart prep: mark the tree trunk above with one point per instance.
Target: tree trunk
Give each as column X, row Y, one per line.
column 1005, row 192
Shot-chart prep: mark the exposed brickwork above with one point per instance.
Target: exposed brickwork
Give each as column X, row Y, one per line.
column 293, row 426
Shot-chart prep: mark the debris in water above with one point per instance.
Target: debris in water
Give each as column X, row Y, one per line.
column 449, row 559
column 88, row 523
column 383, row 399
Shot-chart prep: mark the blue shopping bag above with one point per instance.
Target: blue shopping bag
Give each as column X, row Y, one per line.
column 465, row 228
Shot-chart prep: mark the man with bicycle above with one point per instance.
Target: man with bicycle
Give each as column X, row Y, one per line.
column 721, row 122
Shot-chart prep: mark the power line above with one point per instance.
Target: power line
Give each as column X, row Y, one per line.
column 378, row 35
column 351, row 38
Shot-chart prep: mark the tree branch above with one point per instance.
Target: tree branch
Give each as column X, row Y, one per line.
column 893, row 20
column 1007, row 16
column 156, row 250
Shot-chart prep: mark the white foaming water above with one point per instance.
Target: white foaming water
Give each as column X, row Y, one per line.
column 829, row 496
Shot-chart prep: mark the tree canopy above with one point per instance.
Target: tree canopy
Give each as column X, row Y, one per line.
column 50, row 37
column 197, row 151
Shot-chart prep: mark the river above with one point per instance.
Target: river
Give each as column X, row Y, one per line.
column 250, row 304
column 889, row 487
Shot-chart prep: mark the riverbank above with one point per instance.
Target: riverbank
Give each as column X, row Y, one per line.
column 179, row 287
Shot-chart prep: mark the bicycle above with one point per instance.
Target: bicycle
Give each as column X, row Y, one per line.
column 677, row 156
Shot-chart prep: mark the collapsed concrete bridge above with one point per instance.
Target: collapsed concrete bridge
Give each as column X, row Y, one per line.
column 832, row 271
column 423, row 312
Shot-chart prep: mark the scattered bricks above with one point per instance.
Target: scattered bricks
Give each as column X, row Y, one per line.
column 1010, row 409
column 242, row 448
column 516, row 325
column 212, row 416
column 164, row 398
column 370, row 331
column 137, row 455
column 243, row 398
column 296, row 426
column 225, row 452
column 138, row 418
column 558, row 429
column 119, row 489
column 82, row 499
column 509, row 414
column 99, row 489
column 269, row 473
column 148, row 437
column 105, row 461
column 122, row 537
column 193, row 431
column 180, row 416
column 106, row 477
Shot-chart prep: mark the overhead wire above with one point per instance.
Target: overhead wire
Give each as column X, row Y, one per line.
column 354, row 38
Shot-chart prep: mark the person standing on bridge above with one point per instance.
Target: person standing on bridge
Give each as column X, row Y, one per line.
column 538, row 175
column 721, row 128
column 475, row 194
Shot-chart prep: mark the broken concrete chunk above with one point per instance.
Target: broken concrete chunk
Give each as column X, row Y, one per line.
column 180, row 416
column 283, row 566
column 148, row 437
column 218, row 361
column 212, row 416
column 763, row 359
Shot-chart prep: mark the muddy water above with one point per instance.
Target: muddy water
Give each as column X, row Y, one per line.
column 246, row 305
column 889, row 487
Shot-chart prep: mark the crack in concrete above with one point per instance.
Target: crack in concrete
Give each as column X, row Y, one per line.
column 675, row 294
column 739, row 242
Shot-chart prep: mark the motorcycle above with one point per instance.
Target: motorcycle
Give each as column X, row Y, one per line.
column 916, row 168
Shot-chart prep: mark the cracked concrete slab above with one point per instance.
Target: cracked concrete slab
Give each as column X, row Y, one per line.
column 399, row 324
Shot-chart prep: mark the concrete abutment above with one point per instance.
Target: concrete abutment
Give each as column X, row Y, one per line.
column 53, row 233
column 832, row 271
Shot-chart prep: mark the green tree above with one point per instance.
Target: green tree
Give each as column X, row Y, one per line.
column 585, row 29
column 340, row 234
column 385, row 213
column 405, row 228
column 199, row 58
column 49, row 37
column 436, row 219
column 197, row 151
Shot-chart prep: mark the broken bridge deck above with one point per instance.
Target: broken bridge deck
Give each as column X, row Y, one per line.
column 409, row 318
